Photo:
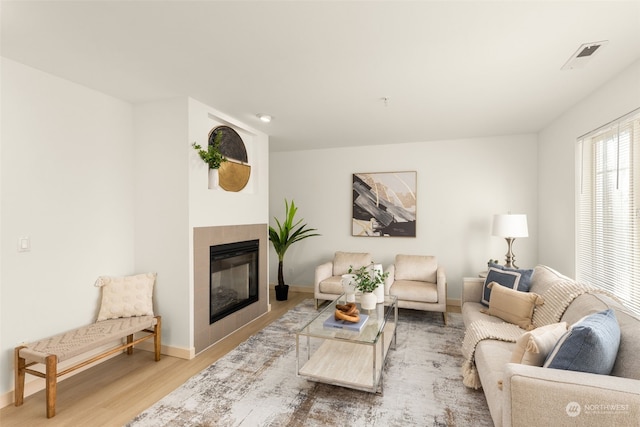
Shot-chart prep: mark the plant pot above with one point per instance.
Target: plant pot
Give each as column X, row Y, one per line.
column 368, row 301
column 214, row 179
column 349, row 287
column 282, row 292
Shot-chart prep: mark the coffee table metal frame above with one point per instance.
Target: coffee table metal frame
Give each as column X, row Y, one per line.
column 348, row 358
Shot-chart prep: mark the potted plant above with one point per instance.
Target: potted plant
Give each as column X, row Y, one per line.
column 288, row 233
column 212, row 157
column 367, row 279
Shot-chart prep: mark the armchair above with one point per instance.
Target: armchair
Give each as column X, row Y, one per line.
column 419, row 283
column 328, row 276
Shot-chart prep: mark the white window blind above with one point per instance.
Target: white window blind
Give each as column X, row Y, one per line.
column 608, row 217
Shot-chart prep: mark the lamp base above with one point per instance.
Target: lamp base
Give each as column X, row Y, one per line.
column 510, row 257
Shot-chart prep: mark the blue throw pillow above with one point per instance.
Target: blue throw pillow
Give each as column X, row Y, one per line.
column 525, row 276
column 590, row 345
column 509, row 279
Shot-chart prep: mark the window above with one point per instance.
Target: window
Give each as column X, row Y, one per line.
column 608, row 203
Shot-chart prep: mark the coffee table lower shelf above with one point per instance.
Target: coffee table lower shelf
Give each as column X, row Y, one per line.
column 348, row 364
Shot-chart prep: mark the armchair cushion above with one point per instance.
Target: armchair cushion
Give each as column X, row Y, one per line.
column 413, row 290
column 417, row 268
column 343, row 260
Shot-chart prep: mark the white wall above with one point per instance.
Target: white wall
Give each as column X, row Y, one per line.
column 67, row 173
column 172, row 197
column 461, row 184
column 557, row 168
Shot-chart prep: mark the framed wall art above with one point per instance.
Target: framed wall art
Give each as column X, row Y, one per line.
column 384, row 204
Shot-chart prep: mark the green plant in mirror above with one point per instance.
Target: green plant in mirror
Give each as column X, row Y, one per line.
column 212, row 155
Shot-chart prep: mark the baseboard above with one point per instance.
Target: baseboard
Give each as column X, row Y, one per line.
column 454, row 302
column 296, row 288
column 35, row 384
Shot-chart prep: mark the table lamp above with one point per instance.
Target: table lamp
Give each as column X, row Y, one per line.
column 510, row 226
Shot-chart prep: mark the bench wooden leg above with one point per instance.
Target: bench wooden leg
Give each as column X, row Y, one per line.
column 51, row 378
column 20, row 373
column 157, row 339
column 129, row 341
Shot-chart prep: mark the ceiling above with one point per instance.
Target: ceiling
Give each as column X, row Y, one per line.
column 448, row 69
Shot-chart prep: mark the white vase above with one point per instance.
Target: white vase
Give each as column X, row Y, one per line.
column 368, row 301
column 379, row 291
column 349, row 286
column 214, row 179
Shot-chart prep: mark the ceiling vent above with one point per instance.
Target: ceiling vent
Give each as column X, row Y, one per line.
column 583, row 55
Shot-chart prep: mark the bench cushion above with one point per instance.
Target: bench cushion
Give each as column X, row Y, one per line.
column 77, row 341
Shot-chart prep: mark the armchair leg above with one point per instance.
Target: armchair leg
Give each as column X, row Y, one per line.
column 444, row 317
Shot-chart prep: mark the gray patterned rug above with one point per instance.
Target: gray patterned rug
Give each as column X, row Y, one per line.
column 256, row 383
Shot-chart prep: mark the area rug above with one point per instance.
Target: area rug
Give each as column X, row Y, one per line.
column 256, row 383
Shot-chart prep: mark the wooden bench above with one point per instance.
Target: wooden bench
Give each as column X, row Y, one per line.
column 50, row 351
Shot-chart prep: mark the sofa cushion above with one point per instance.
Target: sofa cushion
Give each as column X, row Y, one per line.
column 343, row 260
column 533, row 347
column 590, row 345
column 416, row 267
column 513, row 306
column 128, row 296
column 543, row 277
column 526, row 276
column 509, row 279
column 627, row 361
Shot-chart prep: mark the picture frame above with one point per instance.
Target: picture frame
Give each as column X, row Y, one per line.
column 384, row 204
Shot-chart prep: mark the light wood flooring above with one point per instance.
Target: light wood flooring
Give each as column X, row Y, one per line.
column 115, row 391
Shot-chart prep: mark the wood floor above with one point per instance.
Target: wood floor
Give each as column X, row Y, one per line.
column 115, row 391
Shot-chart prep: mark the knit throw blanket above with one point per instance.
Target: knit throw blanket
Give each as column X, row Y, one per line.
column 476, row 332
column 556, row 300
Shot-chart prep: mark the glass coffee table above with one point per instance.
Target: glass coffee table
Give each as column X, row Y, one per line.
column 355, row 359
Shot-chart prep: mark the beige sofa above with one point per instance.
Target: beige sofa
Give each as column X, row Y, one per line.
column 523, row 395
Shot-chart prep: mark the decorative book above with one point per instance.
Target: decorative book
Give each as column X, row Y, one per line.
column 331, row 322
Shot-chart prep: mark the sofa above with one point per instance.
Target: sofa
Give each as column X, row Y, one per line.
column 539, row 394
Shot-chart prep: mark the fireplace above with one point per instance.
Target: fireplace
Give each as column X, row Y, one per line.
column 234, row 278
column 228, row 238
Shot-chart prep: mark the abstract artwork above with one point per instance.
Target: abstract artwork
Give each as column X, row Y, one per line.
column 384, row 204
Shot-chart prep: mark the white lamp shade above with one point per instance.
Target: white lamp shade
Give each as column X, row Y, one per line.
column 510, row 225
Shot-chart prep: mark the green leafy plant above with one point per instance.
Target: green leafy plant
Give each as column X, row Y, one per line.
column 212, row 155
column 288, row 232
column 492, row 261
column 364, row 280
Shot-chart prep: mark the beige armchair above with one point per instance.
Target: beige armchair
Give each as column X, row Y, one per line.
column 328, row 278
column 419, row 283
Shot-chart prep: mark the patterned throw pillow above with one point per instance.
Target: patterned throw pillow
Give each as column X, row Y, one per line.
column 508, row 279
column 127, row 296
column 526, row 276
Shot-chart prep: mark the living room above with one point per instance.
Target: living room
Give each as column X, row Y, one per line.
column 98, row 185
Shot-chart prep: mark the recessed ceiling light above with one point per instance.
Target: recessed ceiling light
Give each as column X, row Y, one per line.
column 264, row 117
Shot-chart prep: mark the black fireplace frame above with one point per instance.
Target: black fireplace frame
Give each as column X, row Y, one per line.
column 230, row 250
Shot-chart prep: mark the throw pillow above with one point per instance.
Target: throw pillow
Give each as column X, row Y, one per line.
column 590, row 345
column 509, row 279
column 533, row 347
column 525, row 276
column 513, row 306
column 127, row 296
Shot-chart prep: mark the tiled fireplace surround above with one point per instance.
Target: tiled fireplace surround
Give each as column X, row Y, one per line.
column 203, row 238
